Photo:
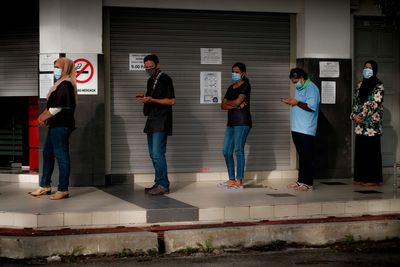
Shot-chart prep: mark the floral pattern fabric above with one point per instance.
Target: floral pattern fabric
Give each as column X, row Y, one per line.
column 371, row 111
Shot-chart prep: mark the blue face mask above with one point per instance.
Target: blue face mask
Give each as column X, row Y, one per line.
column 236, row 76
column 367, row 73
column 57, row 73
column 299, row 85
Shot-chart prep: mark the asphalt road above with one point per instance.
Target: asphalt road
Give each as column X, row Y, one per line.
column 371, row 254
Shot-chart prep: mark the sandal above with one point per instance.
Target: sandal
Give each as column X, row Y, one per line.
column 227, row 183
column 40, row 191
column 304, row 187
column 293, row 185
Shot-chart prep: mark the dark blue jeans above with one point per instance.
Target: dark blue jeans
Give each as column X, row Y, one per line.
column 157, row 145
column 56, row 147
column 305, row 148
column 234, row 141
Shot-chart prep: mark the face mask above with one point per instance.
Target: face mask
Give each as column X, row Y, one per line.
column 367, row 73
column 299, row 85
column 236, row 76
column 57, row 73
column 151, row 71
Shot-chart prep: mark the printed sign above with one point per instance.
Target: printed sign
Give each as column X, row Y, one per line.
column 86, row 73
column 136, row 61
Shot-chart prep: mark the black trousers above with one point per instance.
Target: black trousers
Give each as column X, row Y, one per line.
column 305, row 148
column 368, row 159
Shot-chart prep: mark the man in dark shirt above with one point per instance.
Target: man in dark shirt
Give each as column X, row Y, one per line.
column 158, row 102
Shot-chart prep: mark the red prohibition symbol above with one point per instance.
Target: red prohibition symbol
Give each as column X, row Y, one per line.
column 81, row 65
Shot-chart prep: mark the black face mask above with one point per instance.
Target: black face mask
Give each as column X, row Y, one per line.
column 151, row 71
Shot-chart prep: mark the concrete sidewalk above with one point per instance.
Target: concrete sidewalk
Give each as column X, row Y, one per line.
column 193, row 205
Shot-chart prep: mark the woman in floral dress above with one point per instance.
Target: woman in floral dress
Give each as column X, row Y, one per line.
column 367, row 114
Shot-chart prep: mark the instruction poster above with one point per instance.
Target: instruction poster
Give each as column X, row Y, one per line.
column 211, row 55
column 329, row 69
column 210, row 87
column 328, row 92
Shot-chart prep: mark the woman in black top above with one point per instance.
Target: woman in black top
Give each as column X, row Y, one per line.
column 237, row 102
column 59, row 118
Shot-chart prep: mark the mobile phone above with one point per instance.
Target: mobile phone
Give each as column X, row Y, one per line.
column 139, row 96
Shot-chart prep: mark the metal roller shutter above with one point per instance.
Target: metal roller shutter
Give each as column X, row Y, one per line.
column 260, row 40
column 19, row 50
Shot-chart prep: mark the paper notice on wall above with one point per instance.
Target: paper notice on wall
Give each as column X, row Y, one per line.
column 328, row 92
column 136, row 61
column 211, row 55
column 210, row 87
column 46, row 61
column 46, row 81
column 329, row 69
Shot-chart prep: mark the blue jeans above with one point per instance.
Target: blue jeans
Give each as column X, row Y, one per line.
column 234, row 141
column 56, row 147
column 157, row 145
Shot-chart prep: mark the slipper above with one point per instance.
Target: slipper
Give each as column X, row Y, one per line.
column 303, row 187
column 293, row 185
column 227, row 183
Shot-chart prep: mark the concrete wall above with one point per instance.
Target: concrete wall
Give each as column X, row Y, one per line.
column 71, row 26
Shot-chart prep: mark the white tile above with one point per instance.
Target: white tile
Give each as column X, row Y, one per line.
column 105, row 217
column 208, row 176
column 185, row 177
column 290, row 174
column 307, row 209
column 253, row 176
column 382, row 205
column 272, row 175
column 356, row 207
column 211, row 214
column 262, row 212
column 285, row 210
column 77, row 218
column 333, row 208
column 143, row 178
column 131, row 217
column 6, row 219
column 25, row 220
column 395, row 205
column 50, row 220
column 237, row 213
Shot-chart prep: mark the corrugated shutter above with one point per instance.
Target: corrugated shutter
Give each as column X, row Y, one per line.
column 260, row 40
column 19, row 50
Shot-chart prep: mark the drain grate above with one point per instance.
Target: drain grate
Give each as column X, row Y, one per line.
column 368, row 191
column 281, row 195
column 334, row 183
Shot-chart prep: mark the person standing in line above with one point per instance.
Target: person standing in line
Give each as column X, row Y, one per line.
column 304, row 120
column 237, row 102
column 59, row 117
column 157, row 106
column 367, row 113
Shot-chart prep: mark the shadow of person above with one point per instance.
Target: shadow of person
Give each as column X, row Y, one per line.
column 88, row 148
column 188, row 132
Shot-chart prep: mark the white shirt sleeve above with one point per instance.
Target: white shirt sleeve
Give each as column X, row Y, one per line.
column 54, row 111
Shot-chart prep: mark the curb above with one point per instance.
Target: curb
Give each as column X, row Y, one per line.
column 43, row 246
column 253, row 236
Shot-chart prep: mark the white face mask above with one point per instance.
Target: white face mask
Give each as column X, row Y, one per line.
column 367, row 73
column 57, row 73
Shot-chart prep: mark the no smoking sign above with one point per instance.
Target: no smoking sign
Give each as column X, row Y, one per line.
column 86, row 73
column 84, row 70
